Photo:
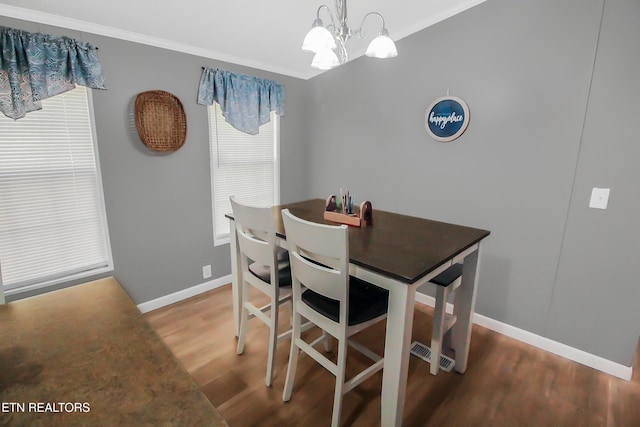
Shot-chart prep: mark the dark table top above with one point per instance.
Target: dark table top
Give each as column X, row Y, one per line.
column 401, row 247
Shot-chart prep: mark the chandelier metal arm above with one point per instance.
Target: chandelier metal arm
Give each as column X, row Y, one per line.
column 363, row 34
column 343, row 30
column 333, row 22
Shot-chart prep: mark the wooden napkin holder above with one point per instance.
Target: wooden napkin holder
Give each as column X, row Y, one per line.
column 362, row 217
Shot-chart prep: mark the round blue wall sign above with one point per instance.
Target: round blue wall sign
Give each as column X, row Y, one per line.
column 447, row 118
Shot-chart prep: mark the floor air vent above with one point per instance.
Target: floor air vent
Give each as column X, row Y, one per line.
column 423, row 352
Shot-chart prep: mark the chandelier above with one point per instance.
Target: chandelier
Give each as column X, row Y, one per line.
column 329, row 43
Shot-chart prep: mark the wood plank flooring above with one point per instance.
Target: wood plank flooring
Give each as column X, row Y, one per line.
column 507, row 383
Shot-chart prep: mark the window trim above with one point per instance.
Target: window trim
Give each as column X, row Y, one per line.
column 2, row 299
column 275, row 119
column 46, row 283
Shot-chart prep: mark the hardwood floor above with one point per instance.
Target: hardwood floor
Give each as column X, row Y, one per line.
column 507, row 383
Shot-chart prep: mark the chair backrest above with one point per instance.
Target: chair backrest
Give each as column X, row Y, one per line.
column 255, row 229
column 319, row 257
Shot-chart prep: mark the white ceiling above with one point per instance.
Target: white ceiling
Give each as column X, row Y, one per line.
column 256, row 33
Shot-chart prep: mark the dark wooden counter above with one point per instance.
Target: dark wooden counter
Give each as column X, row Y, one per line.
column 88, row 350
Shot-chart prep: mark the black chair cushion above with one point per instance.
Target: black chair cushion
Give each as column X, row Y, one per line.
column 263, row 272
column 366, row 302
column 282, row 254
column 448, row 276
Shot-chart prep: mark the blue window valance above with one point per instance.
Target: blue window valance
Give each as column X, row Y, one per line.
column 246, row 101
column 36, row 66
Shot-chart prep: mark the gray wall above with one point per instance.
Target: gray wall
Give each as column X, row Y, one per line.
column 552, row 95
column 159, row 206
column 551, row 266
column 597, row 291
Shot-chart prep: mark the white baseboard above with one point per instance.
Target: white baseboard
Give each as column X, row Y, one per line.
column 183, row 294
column 563, row 350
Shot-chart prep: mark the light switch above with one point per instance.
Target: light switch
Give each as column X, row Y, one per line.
column 599, row 198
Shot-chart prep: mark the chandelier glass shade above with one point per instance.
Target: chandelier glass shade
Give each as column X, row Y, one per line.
column 325, row 59
column 328, row 43
column 318, row 38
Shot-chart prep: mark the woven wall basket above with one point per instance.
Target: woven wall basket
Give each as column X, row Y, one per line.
column 160, row 120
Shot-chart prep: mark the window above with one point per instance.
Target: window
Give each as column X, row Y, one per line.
column 52, row 220
column 242, row 165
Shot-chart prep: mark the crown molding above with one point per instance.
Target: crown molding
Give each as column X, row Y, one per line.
column 103, row 30
column 433, row 19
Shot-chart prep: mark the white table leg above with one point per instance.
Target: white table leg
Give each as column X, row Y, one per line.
column 464, row 307
column 2, row 301
column 397, row 352
column 236, row 276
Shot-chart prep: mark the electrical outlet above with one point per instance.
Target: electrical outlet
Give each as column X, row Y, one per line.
column 206, row 271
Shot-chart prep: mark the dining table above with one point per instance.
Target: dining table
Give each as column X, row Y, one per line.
column 399, row 253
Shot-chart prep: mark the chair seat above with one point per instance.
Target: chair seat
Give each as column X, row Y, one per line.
column 448, row 276
column 263, row 272
column 366, row 302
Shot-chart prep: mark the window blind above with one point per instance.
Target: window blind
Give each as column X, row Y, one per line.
column 52, row 221
column 242, row 165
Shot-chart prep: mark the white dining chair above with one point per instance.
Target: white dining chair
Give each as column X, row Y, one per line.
column 265, row 267
column 325, row 294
